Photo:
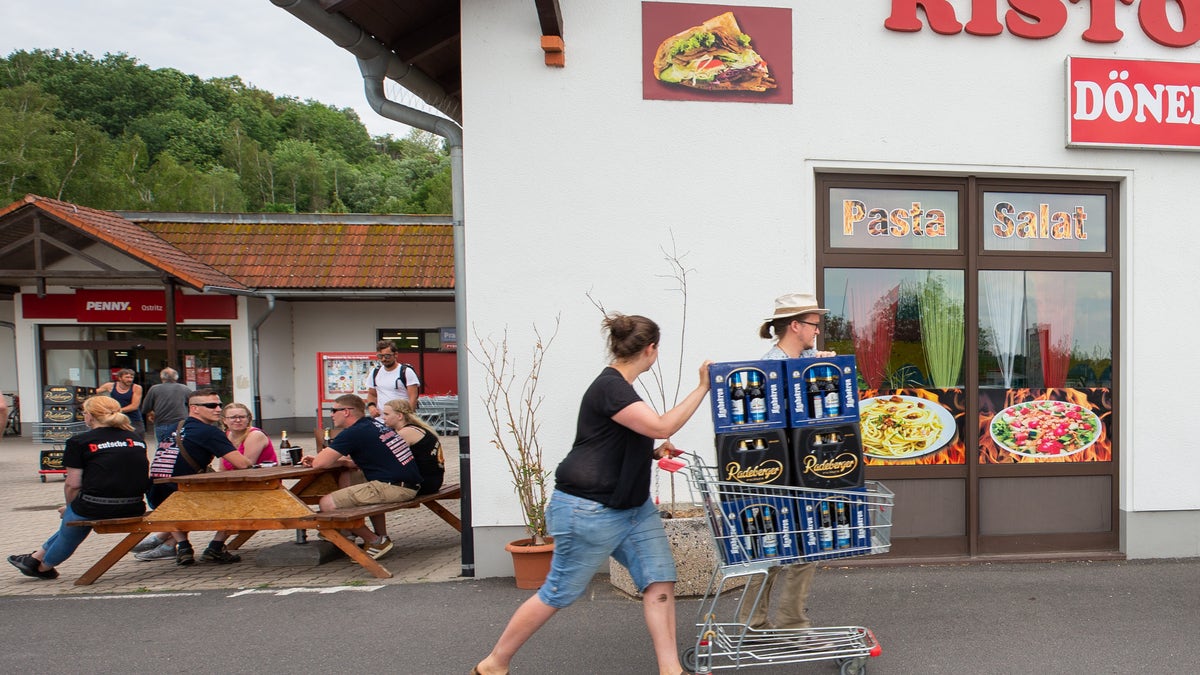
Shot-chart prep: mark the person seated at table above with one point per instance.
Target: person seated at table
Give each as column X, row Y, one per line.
column 199, row 442
column 422, row 440
column 249, row 440
column 107, row 476
column 384, row 461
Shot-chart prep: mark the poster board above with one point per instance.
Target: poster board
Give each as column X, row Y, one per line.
column 340, row 373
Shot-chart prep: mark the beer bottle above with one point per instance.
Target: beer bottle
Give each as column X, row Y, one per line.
column 770, row 540
column 326, row 442
column 843, row 525
column 825, row 535
column 737, row 400
column 757, row 400
column 750, row 529
column 816, row 398
column 829, row 384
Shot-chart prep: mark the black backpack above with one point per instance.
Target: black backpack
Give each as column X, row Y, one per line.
column 401, row 378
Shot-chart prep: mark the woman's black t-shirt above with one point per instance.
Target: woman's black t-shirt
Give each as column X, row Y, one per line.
column 428, row 452
column 609, row 463
column 114, row 466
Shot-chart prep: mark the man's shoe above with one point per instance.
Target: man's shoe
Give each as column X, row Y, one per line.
column 184, row 555
column 29, row 566
column 150, row 543
column 217, row 553
column 378, row 549
column 163, row 551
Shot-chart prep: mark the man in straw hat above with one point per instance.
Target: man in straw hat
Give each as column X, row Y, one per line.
column 795, row 325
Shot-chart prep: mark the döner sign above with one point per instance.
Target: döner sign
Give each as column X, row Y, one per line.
column 1125, row 102
column 1037, row 19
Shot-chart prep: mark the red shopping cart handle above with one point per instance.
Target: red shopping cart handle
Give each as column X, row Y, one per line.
column 671, row 464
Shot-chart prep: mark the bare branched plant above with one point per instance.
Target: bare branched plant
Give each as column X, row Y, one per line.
column 656, row 391
column 511, row 402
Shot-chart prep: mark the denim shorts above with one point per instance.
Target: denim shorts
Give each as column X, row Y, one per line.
column 586, row 533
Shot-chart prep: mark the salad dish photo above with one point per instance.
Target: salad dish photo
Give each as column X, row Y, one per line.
column 1045, row 428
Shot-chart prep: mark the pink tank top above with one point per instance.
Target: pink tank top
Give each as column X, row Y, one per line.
column 267, row 454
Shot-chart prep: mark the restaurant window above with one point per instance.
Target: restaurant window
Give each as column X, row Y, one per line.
column 988, row 308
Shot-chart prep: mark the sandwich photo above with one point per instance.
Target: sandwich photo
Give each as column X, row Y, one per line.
column 714, row 56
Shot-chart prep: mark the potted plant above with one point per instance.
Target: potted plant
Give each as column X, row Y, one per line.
column 511, row 403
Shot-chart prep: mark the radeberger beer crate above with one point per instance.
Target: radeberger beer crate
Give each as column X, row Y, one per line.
column 64, row 395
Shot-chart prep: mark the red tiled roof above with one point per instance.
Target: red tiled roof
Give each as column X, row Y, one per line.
column 310, row 256
column 133, row 240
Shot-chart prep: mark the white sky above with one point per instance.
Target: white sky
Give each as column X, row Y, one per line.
column 263, row 44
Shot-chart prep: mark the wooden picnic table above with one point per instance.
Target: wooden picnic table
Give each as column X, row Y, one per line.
column 248, row 500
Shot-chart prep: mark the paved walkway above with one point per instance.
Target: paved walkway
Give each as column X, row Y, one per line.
column 427, row 549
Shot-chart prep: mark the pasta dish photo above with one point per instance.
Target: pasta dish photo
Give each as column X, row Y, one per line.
column 902, row 427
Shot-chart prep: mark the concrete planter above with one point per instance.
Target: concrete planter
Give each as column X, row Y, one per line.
column 692, row 546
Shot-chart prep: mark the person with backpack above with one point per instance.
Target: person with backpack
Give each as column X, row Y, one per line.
column 390, row 379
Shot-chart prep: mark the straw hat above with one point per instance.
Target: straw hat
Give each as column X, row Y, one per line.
column 792, row 304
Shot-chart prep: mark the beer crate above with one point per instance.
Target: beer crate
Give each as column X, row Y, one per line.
column 760, row 528
column 836, row 377
column 754, row 457
column 826, row 457
column 63, row 395
column 51, row 461
column 61, row 414
column 835, row 524
column 747, row 395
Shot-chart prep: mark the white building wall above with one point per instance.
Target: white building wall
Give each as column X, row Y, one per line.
column 592, row 182
column 8, row 348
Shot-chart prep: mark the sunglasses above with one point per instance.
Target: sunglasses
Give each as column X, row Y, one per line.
column 336, row 410
column 210, row 406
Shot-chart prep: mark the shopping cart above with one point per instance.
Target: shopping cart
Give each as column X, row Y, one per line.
column 757, row 527
column 50, row 462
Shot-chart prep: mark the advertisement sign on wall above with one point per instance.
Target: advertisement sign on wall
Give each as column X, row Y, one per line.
column 713, row 53
column 1130, row 103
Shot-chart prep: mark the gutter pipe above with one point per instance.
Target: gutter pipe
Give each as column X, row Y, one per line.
column 375, row 62
column 254, row 352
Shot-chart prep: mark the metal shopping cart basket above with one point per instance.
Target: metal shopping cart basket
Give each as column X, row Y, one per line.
column 757, row 527
column 50, row 462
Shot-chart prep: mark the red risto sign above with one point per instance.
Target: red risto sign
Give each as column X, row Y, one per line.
column 1125, row 102
column 1037, row 19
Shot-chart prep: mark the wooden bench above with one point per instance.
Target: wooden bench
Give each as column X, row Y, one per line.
column 328, row 523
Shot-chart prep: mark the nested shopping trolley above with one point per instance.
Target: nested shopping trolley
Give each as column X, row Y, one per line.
column 757, row 527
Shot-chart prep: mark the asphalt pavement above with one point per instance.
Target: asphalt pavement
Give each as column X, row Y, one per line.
column 985, row 618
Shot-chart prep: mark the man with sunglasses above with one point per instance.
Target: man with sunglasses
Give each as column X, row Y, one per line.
column 387, row 468
column 391, row 379
column 199, row 442
column 795, row 324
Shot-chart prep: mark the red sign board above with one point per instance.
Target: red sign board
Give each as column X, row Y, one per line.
column 126, row 306
column 1131, row 103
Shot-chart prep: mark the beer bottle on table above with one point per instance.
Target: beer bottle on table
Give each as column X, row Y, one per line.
column 737, row 400
column 757, row 400
column 325, row 444
column 285, row 454
column 816, row 397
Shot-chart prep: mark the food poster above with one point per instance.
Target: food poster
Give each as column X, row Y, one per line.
column 345, row 374
column 912, row 426
column 693, row 52
column 1018, row 426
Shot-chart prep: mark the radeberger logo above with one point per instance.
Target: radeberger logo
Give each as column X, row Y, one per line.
column 837, row 467
column 60, row 415
column 59, row 396
column 766, row 472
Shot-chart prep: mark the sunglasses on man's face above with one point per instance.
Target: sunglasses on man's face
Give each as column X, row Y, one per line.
column 210, row 406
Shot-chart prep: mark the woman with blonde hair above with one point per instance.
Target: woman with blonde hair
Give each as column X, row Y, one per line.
column 249, row 440
column 107, row 476
column 425, row 445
